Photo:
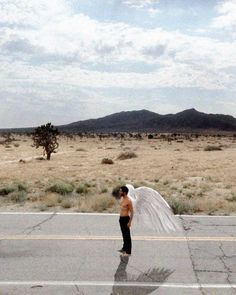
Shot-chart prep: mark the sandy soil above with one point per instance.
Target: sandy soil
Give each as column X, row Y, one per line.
column 190, row 178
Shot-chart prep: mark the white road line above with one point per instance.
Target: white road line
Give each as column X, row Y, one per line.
column 58, row 213
column 135, row 238
column 116, row 283
column 107, row 214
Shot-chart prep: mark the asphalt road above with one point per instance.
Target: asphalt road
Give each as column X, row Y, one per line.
column 48, row 253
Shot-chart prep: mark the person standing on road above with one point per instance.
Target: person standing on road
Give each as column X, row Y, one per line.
column 126, row 216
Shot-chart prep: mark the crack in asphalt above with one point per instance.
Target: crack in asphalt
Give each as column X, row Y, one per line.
column 228, row 270
column 187, row 224
column 38, row 225
column 191, row 256
column 211, row 271
column 220, row 225
column 77, row 290
column 81, row 265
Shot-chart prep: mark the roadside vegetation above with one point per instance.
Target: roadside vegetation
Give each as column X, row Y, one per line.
column 87, row 173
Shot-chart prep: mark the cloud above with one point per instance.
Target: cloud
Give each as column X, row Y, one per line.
column 140, row 3
column 31, row 13
column 150, row 6
column 47, row 50
column 181, row 60
column 226, row 18
column 153, row 11
column 155, row 51
column 20, row 46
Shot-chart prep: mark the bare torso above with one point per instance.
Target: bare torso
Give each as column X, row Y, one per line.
column 125, row 206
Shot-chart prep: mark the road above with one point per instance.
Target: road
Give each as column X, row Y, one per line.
column 56, row 253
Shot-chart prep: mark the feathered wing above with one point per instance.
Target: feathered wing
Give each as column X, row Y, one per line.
column 152, row 209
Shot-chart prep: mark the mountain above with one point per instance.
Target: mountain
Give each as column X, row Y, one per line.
column 145, row 121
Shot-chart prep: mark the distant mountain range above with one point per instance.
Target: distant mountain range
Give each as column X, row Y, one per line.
column 145, row 121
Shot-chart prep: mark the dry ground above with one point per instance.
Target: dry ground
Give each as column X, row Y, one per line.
column 191, row 179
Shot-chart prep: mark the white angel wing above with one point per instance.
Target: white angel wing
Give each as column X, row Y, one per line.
column 152, row 209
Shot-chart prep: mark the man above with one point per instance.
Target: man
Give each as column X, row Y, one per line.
column 126, row 216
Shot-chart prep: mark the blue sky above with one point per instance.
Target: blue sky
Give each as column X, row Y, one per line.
column 68, row 60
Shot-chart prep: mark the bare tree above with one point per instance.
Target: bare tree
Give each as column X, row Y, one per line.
column 46, row 136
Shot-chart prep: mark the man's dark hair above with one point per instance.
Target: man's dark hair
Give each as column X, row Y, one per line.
column 124, row 189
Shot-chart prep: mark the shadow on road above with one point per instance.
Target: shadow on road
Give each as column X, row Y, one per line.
column 153, row 275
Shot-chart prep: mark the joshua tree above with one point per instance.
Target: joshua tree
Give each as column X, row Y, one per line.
column 46, row 136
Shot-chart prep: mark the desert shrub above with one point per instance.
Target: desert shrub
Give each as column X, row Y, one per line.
column 42, row 207
column 186, row 185
column 62, row 188
column 212, row 148
column 95, row 204
column 174, row 188
column 80, row 150
column 104, row 190
column 181, row 206
column 66, row 204
column 189, row 195
column 52, row 199
column 16, row 144
column 18, row 187
column 88, row 184
column 126, row 155
column 232, row 198
column 7, row 190
column 200, row 194
column 166, row 182
column 18, row 196
column 40, row 158
column 228, row 186
column 21, row 187
column 102, row 203
column 82, row 189
column 205, row 188
column 107, row 161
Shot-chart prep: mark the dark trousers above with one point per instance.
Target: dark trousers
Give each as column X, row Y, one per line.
column 126, row 234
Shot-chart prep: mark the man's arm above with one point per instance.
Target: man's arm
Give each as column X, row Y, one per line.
column 131, row 210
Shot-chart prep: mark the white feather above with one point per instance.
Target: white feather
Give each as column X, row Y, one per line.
column 151, row 209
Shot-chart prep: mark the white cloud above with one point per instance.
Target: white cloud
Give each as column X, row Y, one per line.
column 226, row 18
column 46, row 45
column 60, row 46
column 141, row 3
column 32, row 13
column 147, row 5
column 153, row 11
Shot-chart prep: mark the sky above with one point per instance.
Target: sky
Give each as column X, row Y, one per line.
column 63, row 61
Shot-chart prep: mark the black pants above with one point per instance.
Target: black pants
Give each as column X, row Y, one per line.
column 125, row 233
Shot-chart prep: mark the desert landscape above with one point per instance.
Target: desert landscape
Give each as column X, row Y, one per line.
column 194, row 173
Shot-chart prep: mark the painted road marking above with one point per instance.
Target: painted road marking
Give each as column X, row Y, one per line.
column 116, row 283
column 137, row 238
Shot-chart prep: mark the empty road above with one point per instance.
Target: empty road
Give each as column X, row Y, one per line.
column 56, row 253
